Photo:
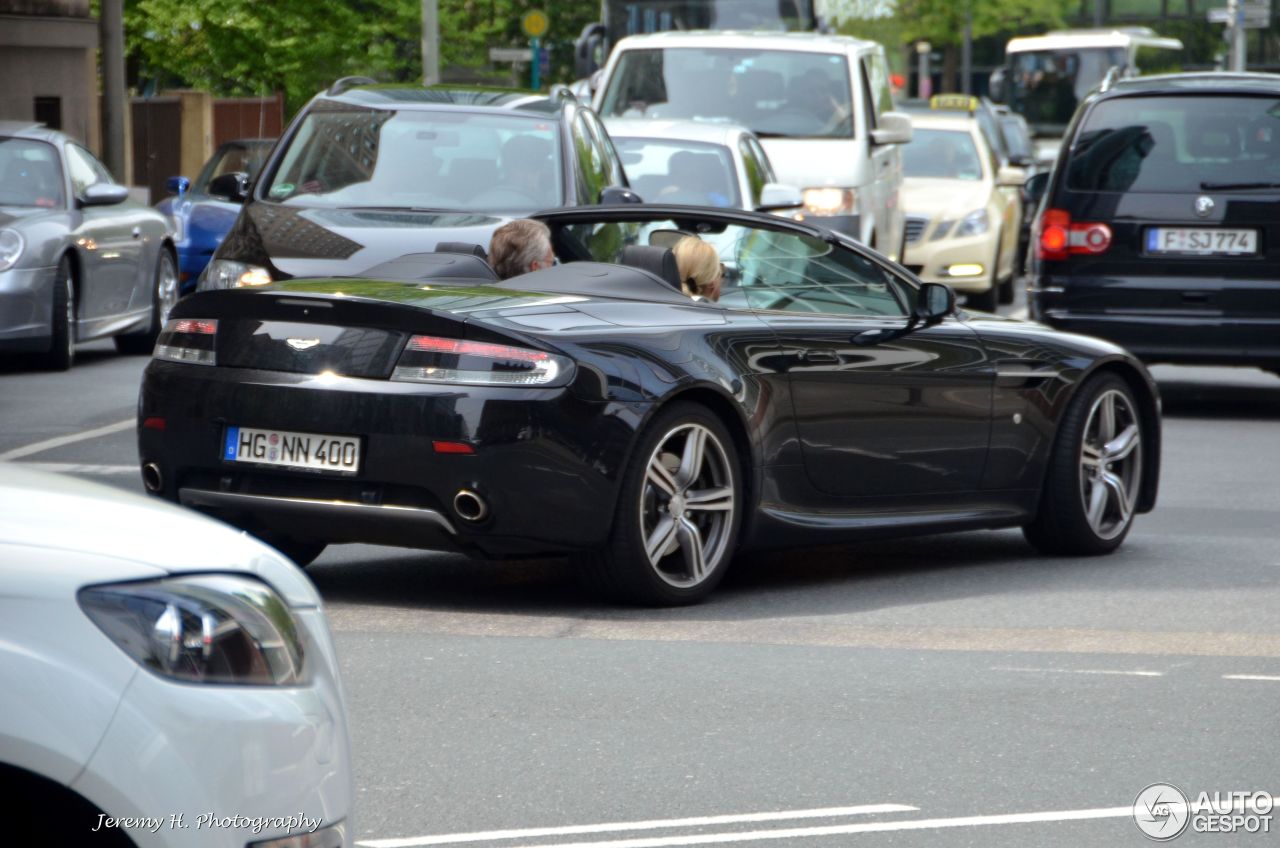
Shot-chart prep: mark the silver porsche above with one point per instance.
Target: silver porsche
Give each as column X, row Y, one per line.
column 79, row 260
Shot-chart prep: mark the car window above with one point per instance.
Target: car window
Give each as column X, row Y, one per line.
column 765, row 269
column 85, row 169
column 680, row 171
column 608, row 152
column 29, row 174
column 775, row 93
column 232, row 158
column 756, row 176
column 942, row 154
column 878, row 79
column 1015, row 136
column 1176, row 144
column 592, row 172
column 763, row 159
column 467, row 161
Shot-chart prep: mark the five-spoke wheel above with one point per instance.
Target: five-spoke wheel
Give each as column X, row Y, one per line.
column 678, row 515
column 1094, row 478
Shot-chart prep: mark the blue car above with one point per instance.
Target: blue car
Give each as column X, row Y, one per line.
column 202, row 213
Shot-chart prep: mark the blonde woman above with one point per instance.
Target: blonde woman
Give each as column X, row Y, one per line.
column 700, row 270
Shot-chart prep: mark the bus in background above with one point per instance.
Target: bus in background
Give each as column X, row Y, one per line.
column 1045, row 77
column 620, row 18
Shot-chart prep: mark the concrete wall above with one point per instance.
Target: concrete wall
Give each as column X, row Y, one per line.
column 51, row 57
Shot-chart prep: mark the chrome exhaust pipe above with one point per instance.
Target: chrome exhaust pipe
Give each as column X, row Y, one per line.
column 152, row 478
column 470, row 506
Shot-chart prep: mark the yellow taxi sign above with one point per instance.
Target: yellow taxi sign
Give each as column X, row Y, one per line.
column 535, row 23
column 954, row 102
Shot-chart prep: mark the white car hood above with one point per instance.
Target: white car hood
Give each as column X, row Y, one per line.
column 125, row 536
column 928, row 197
column 815, row 162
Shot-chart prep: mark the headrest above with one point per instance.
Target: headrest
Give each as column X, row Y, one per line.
column 462, row 247
column 658, row 261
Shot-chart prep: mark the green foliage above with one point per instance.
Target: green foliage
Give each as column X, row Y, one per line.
column 941, row 22
column 251, row 47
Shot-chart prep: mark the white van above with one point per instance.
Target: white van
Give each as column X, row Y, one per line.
column 821, row 105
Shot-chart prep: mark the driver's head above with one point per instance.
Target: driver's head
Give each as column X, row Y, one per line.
column 519, row 247
column 525, row 159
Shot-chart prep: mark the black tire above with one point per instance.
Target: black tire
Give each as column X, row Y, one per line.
column 982, row 301
column 652, row 507
column 303, row 552
column 164, row 293
column 62, row 342
column 1065, row 524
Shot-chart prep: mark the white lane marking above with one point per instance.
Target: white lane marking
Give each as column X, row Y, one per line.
column 72, row 438
column 1271, row 677
column 654, row 824
column 847, row 829
column 1079, row 671
column 83, row 468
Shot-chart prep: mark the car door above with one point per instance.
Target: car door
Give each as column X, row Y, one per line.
column 906, row 416
column 886, row 159
column 109, row 239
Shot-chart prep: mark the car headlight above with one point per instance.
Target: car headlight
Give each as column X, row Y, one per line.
column 229, row 274
column 11, row 245
column 974, row 224
column 829, row 201
column 208, row 628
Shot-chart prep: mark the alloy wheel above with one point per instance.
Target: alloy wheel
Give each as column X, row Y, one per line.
column 1110, row 464
column 166, row 289
column 687, row 506
column 69, row 287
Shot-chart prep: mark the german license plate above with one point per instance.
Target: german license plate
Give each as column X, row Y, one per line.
column 314, row 451
column 1202, row 242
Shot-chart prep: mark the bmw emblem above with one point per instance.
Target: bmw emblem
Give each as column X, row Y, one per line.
column 1204, row 205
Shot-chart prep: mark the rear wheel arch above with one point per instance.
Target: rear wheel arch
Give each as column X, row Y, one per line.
column 731, row 416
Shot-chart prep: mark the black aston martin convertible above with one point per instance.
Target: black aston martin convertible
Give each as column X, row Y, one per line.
column 593, row 409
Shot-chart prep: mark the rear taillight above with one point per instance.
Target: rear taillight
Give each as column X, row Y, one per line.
column 1057, row 236
column 188, row 340
column 432, row 359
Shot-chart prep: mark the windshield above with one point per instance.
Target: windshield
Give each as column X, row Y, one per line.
column 632, row 17
column 679, row 172
column 29, row 174
column 1177, row 144
column 775, row 93
column 465, row 161
column 942, row 154
column 233, row 157
column 1045, row 86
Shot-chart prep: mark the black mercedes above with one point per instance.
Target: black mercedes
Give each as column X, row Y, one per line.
column 593, row 409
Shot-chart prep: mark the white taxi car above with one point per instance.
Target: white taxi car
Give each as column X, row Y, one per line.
column 962, row 208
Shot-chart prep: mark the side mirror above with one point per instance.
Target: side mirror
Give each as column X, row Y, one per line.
column 104, row 194
column 934, row 302
column 234, row 186
column 995, row 85
column 1011, row 177
column 1021, row 160
column 779, row 196
column 585, row 48
column 1035, row 187
column 895, row 128
column 177, row 185
column 617, row 194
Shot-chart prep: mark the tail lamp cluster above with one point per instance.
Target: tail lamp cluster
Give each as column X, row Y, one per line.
column 1059, row 237
column 425, row 359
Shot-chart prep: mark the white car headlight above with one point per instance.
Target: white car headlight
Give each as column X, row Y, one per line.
column 829, row 201
column 208, row 628
column 11, row 245
column 974, row 224
column 228, row 274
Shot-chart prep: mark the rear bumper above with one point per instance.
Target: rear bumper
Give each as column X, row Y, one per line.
column 546, row 462
column 1159, row 321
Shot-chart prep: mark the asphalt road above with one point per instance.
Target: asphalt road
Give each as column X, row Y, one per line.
column 947, row 690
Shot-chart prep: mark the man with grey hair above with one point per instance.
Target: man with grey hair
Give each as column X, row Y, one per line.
column 519, row 247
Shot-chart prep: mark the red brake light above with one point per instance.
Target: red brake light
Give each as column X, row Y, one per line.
column 441, row 446
column 198, row 326
column 435, row 344
column 1059, row 237
column 435, row 359
column 189, row 340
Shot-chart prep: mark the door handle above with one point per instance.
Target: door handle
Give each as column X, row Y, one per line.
column 819, row 357
column 137, row 232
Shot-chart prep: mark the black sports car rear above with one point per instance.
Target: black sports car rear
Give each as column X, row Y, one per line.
column 594, row 409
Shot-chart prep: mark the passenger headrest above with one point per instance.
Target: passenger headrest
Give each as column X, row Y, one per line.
column 462, row 247
column 656, row 260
